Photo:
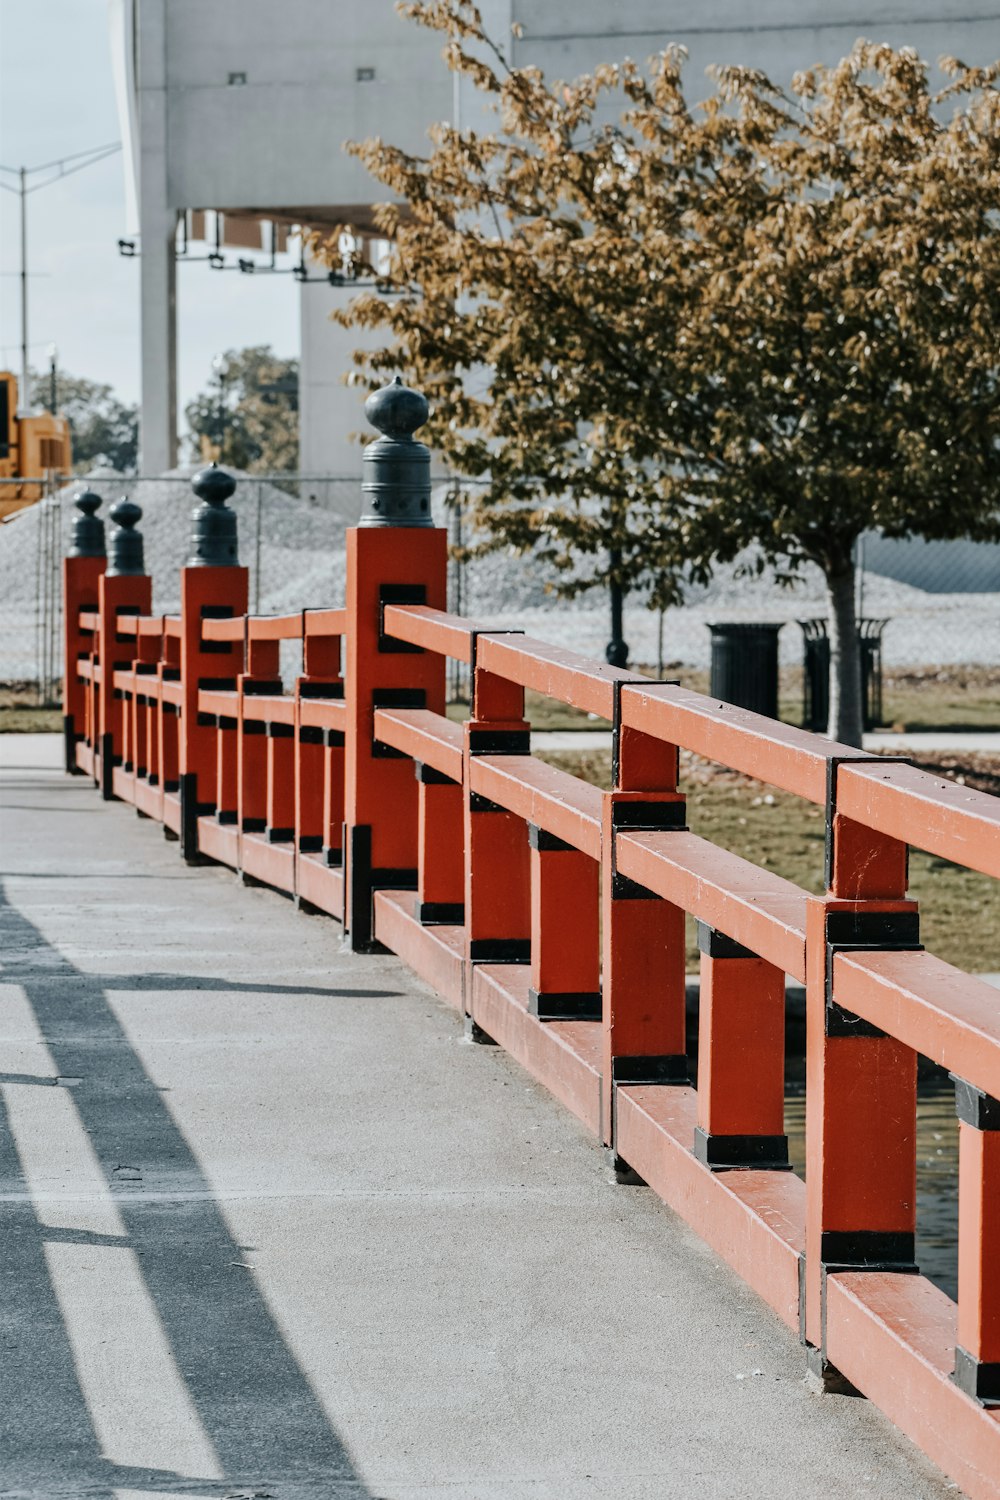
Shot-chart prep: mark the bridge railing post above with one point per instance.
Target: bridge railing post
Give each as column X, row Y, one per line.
column 643, row 972
column 124, row 589
column 861, row 1085
column 977, row 1352
column 213, row 586
column 82, row 569
column 394, row 556
column 497, row 854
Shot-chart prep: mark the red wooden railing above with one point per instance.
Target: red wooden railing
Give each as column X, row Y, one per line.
column 552, row 914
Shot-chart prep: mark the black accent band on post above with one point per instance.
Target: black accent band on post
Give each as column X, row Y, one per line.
column 217, row 612
column 624, row 889
column 441, row 913
column 499, row 741
column 554, row 1005
column 255, row 687
column 649, row 817
column 107, row 767
column 395, row 698
column 398, row 593
column 541, row 839
column 832, row 767
column 431, row 776
column 254, row 726
column 280, row 835
column 189, row 816
column 666, row 1067
column 500, row 950
column 979, row 1379
column 69, row 746
column 254, row 825
column 864, row 931
column 333, row 739
column 310, row 734
column 226, row 721
column 364, row 880
column 974, row 1106
column 310, row 843
column 480, row 804
column 321, row 689
column 867, row 1250
column 716, row 944
column 227, row 817
column 279, row 731
column 333, row 858
column 724, row 1153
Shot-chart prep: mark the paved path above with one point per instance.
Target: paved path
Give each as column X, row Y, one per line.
column 272, row 1228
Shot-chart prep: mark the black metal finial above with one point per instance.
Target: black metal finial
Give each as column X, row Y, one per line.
column 126, row 558
column 213, row 524
column 88, row 528
column 396, row 468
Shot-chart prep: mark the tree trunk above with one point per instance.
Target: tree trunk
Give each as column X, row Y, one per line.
column 846, row 708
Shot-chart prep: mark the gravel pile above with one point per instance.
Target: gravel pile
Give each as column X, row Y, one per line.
column 292, row 540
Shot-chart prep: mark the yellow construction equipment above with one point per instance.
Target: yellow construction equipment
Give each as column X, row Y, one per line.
column 32, row 450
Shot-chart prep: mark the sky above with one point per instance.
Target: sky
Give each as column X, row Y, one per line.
column 57, row 98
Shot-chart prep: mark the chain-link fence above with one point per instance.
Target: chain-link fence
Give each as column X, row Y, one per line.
column 940, row 601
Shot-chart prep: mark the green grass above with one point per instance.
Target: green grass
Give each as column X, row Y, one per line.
column 960, row 910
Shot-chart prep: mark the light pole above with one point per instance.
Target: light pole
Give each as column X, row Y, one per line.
column 24, row 404
column 64, row 167
column 53, row 380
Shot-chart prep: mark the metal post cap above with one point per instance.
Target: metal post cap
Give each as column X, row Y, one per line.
column 126, row 559
column 396, row 469
column 213, row 524
column 88, row 528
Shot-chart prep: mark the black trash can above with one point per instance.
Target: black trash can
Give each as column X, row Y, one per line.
column 745, row 666
column 816, row 674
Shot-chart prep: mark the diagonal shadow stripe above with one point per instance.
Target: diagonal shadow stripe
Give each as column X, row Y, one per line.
column 253, row 1398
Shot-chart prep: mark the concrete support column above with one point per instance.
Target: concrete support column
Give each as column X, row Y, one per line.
column 158, row 276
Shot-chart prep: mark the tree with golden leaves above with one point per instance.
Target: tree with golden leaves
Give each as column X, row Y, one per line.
column 663, row 334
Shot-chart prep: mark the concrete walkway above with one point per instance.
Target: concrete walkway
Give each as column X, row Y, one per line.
column 273, row 1228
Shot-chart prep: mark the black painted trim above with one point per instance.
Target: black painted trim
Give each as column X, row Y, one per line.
column 624, row 889
column 500, row 950
column 398, row 593
column 974, row 1106
column 499, row 741
column 431, row 776
column 670, row 1068
column 716, row 944
column 979, row 1379
column 541, row 839
column 441, row 913
column 569, row 1005
column 867, row 1250
column 722, row 1153
column 649, row 817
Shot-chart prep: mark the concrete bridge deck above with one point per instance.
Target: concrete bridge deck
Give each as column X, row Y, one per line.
column 273, row 1228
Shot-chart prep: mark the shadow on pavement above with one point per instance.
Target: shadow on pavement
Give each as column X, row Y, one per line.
column 254, row 1401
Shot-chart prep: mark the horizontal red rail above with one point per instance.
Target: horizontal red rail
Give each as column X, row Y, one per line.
column 426, row 737
column 755, row 908
column 938, row 816
column 563, row 805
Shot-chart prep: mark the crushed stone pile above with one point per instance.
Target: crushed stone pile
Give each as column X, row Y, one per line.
column 292, row 539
